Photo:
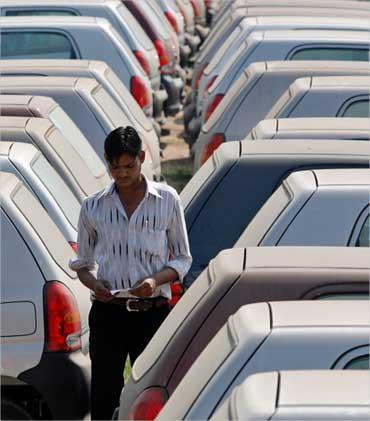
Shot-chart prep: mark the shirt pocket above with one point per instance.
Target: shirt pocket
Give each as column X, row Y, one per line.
column 154, row 241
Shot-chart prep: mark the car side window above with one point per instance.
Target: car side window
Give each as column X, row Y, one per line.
column 40, row 13
column 342, row 54
column 363, row 239
column 357, row 109
column 344, row 296
column 359, row 363
column 28, row 45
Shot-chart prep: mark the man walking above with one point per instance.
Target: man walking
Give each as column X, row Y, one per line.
column 134, row 231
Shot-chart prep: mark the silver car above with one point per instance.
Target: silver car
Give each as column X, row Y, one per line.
column 241, row 108
column 73, row 37
column 46, row 107
column 290, row 335
column 345, row 96
column 45, row 369
column 30, row 165
column 61, row 154
column 118, row 16
column 320, row 395
column 89, row 105
column 309, row 206
column 312, row 128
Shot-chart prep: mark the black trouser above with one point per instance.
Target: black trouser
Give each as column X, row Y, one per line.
column 114, row 333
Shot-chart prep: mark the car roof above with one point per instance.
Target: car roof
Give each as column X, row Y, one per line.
column 49, row 81
column 31, row 3
column 340, row 81
column 50, row 20
column 303, row 147
column 302, row 314
column 342, row 177
column 311, row 35
column 315, row 123
column 42, row 63
column 265, row 393
column 340, row 20
column 311, row 64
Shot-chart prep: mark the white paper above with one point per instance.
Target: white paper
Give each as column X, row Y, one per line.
column 122, row 293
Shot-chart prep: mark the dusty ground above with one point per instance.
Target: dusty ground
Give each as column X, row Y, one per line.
column 176, row 165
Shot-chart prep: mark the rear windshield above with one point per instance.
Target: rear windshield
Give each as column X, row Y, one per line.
column 196, row 182
column 134, row 26
column 62, row 194
column 60, row 251
column 264, row 219
column 133, row 107
column 77, row 140
column 109, row 107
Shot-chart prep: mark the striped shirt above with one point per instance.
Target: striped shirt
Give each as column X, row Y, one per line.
column 124, row 250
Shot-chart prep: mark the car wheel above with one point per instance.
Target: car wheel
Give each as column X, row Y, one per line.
column 13, row 411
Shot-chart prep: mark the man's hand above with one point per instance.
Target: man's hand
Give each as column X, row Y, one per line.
column 102, row 291
column 144, row 288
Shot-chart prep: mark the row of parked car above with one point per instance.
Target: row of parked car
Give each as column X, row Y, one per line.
column 278, row 125
column 71, row 71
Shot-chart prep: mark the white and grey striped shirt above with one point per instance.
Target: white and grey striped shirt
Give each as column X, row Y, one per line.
column 127, row 250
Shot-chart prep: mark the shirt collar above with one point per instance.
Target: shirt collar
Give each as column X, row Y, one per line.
column 151, row 189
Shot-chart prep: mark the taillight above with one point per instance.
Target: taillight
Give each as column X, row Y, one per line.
column 164, row 58
column 173, row 22
column 197, row 12
column 62, row 319
column 176, row 291
column 148, row 404
column 212, row 106
column 73, row 245
column 210, row 83
column 199, row 75
column 143, row 61
column 216, row 140
column 140, row 92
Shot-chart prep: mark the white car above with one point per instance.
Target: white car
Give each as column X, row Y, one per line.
column 45, row 369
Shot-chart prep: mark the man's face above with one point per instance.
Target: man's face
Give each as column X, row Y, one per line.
column 125, row 171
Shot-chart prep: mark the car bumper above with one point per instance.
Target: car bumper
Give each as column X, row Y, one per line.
column 193, row 130
column 185, row 52
column 63, row 380
column 159, row 97
column 174, row 86
column 193, row 42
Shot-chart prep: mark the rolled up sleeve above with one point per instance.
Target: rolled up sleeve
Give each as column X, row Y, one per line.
column 86, row 240
column 178, row 242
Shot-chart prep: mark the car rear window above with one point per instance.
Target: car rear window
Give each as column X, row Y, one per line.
column 60, row 251
column 109, row 107
column 62, row 121
column 352, row 54
column 196, row 182
column 264, row 219
column 73, row 161
column 62, row 194
column 171, row 325
column 132, row 105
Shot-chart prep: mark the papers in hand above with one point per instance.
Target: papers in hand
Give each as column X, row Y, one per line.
column 122, row 293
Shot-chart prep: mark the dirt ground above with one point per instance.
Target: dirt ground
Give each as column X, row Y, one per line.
column 176, row 164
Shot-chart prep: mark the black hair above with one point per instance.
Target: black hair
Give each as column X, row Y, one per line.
column 123, row 140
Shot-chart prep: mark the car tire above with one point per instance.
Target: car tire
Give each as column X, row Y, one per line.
column 13, row 411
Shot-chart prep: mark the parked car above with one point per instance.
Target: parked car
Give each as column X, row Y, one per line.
column 104, row 75
column 88, row 104
column 290, row 216
column 226, row 193
column 320, row 395
column 28, row 164
column 234, row 278
column 166, row 44
column 73, row 37
column 241, row 108
column 238, row 39
column 45, row 370
column 46, row 107
column 290, row 335
column 345, row 96
column 312, row 128
column 57, row 150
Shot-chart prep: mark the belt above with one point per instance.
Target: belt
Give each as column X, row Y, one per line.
column 140, row 304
